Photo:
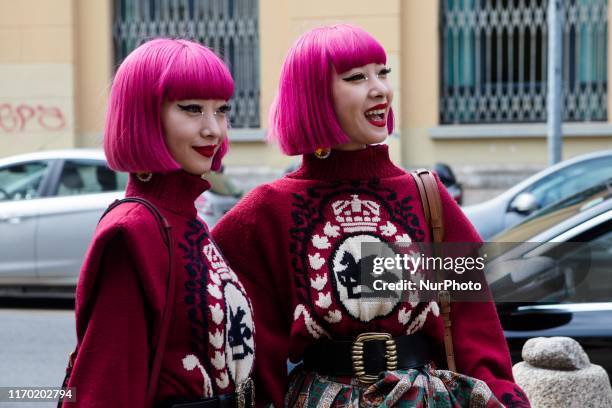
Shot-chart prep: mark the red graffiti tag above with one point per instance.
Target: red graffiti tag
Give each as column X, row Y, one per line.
column 16, row 119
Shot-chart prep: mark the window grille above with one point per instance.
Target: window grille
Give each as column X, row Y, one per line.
column 494, row 61
column 229, row 27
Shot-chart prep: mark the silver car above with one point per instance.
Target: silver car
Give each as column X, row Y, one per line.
column 538, row 191
column 50, row 204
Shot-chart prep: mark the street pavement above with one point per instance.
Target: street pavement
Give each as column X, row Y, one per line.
column 34, row 347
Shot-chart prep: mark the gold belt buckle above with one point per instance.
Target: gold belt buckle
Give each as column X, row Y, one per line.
column 242, row 389
column 357, row 355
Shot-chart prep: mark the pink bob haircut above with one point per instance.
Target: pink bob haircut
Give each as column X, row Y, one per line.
column 302, row 116
column 158, row 70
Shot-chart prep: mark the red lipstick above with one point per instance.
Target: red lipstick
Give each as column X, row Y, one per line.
column 379, row 106
column 377, row 115
column 206, row 151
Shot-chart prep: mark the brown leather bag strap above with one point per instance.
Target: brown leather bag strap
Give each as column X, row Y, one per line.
column 432, row 203
column 432, row 208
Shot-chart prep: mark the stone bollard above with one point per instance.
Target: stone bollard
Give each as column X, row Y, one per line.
column 557, row 373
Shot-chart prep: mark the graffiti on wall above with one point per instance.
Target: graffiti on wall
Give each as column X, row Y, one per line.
column 23, row 117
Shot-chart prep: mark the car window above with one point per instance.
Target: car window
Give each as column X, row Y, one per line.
column 556, row 213
column 22, row 181
column 587, row 270
column 86, row 177
column 571, row 272
column 570, row 180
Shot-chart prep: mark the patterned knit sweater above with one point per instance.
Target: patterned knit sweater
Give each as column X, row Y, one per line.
column 293, row 244
column 122, row 292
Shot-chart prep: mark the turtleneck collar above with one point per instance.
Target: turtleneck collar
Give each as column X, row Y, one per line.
column 175, row 191
column 371, row 162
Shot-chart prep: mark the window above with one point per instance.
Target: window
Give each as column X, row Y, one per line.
column 229, row 27
column 494, row 60
column 587, row 269
column 82, row 177
column 571, row 180
column 22, row 181
column 575, row 271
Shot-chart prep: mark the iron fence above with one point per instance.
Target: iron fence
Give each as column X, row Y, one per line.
column 229, row 27
column 494, row 60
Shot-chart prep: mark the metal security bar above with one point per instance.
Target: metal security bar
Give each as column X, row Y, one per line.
column 229, row 27
column 494, row 61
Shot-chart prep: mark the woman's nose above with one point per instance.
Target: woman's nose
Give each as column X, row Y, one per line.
column 379, row 89
column 210, row 126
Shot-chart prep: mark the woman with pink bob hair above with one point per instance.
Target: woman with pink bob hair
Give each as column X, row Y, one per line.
column 303, row 262
column 163, row 69
column 161, row 318
column 302, row 117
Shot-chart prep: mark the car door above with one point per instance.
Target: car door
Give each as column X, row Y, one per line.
column 83, row 190
column 21, row 187
column 578, row 304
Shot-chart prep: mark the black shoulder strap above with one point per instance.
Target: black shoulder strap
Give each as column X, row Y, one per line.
column 158, row 350
column 162, row 222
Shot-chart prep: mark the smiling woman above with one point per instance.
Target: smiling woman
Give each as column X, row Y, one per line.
column 303, row 265
column 362, row 99
column 144, row 85
column 194, row 130
column 161, row 318
column 311, row 101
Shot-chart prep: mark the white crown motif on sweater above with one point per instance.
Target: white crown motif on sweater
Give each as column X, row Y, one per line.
column 217, row 262
column 357, row 214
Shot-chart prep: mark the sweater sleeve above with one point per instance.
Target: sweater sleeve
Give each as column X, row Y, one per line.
column 250, row 256
column 479, row 344
column 111, row 368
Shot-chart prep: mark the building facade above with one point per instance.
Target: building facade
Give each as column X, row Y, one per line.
column 469, row 75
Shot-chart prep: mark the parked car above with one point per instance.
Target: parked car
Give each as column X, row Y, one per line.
column 559, row 279
column 447, row 177
column 538, row 191
column 223, row 194
column 50, row 203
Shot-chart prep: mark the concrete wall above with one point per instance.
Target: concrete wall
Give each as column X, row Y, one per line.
column 93, row 67
column 424, row 142
column 408, row 29
column 56, row 67
column 281, row 23
column 36, row 75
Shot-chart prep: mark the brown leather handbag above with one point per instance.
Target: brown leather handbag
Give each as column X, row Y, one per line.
column 432, row 208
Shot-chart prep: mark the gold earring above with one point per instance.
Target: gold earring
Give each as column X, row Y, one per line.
column 144, row 177
column 322, row 152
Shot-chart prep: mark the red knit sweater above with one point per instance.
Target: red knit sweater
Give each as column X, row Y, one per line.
column 291, row 240
column 121, row 295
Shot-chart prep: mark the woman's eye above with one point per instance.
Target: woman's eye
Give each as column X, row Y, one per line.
column 223, row 109
column 384, row 72
column 193, row 108
column 355, row 77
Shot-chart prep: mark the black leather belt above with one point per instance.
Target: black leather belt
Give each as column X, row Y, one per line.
column 368, row 355
column 244, row 397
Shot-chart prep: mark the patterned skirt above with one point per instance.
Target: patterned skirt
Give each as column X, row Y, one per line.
column 421, row 387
